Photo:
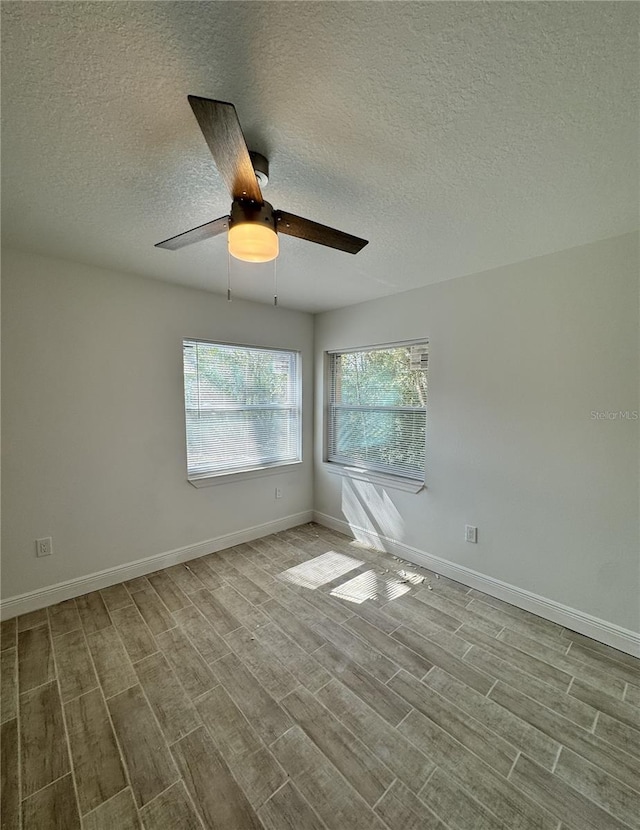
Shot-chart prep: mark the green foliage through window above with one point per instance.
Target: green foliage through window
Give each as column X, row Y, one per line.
column 377, row 409
column 242, row 407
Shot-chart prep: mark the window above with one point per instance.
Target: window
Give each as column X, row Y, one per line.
column 242, row 407
column 377, row 409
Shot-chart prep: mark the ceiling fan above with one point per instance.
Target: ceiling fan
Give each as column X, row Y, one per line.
column 253, row 224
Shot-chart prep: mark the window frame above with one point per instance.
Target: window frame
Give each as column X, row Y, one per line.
column 255, row 471
column 357, row 469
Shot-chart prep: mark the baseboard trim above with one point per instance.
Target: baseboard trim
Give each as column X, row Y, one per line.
column 33, row 600
column 605, row 632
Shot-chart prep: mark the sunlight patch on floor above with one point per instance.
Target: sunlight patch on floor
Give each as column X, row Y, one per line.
column 412, row 577
column 370, row 585
column 322, row 569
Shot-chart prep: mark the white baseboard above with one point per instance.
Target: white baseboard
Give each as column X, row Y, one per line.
column 605, row 632
column 31, row 601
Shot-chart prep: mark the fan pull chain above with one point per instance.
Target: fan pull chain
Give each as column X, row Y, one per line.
column 275, row 282
column 228, row 274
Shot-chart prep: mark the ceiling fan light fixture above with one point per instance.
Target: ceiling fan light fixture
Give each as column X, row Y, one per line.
column 252, row 231
column 253, row 224
column 253, row 242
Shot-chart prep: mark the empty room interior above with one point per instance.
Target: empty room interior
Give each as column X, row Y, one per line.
column 320, row 416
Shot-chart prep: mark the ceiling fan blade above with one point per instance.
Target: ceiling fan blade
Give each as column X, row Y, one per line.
column 315, row 232
column 221, row 129
column 205, row 231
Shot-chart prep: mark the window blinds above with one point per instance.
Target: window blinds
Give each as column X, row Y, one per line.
column 377, row 409
column 242, row 407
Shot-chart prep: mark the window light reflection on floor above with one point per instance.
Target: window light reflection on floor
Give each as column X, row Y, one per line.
column 320, row 570
column 370, row 585
column 411, row 576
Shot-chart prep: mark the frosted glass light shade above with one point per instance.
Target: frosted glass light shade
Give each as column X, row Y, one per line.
column 253, row 242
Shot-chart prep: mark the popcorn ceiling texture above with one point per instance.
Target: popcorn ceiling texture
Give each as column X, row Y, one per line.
column 457, row 137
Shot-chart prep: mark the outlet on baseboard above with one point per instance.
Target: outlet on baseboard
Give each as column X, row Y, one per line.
column 278, row 492
column 44, row 547
column 470, row 533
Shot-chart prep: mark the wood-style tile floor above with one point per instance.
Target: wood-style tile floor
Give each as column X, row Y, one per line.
column 302, row 681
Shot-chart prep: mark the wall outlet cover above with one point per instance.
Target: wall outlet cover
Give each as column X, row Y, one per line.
column 44, row 547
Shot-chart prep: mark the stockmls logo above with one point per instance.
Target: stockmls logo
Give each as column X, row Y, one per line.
column 614, row 415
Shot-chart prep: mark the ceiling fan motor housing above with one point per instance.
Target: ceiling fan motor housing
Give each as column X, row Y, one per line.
column 260, row 167
column 246, row 210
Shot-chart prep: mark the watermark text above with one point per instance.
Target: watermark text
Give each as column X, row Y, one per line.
column 614, row 415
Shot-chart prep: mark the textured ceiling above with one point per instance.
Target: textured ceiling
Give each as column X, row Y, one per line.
column 456, row 137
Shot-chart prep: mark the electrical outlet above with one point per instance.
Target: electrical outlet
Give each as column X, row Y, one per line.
column 278, row 492
column 44, row 547
column 470, row 534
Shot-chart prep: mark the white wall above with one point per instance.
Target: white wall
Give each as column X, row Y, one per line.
column 93, row 419
column 519, row 358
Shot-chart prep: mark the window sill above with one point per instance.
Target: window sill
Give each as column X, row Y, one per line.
column 243, row 475
column 409, row 485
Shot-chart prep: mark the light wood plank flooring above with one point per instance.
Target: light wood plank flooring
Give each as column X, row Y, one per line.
column 304, row 681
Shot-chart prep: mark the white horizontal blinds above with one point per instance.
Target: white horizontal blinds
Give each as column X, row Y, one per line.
column 242, row 407
column 377, row 409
